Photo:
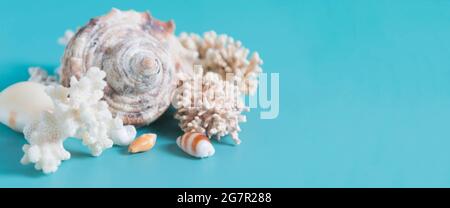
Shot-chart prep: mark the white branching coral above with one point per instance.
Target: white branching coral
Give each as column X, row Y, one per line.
column 40, row 75
column 80, row 113
column 210, row 105
column 64, row 40
column 223, row 55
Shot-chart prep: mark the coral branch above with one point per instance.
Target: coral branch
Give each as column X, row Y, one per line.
column 225, row 56
column 208, row 99
column 207, row 104
column 68, row 35
column 39, row 75
column 78, row 112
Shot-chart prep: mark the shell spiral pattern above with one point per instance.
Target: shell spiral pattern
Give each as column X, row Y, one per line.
column 132, row 49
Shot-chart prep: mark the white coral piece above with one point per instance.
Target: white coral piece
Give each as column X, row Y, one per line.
column 68, row 35
column 225, row 56
column 40, row 75
column 210, row 105
column 78, row 112
column 46, row 143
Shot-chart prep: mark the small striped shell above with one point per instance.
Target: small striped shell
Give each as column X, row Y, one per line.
column 134, row 50
column 196, row 144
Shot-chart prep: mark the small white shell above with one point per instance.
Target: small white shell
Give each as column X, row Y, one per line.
column 196, row 144
column 21, row 103
column 120, row 134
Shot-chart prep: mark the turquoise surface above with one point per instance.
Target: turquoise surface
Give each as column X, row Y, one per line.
column 364, row 95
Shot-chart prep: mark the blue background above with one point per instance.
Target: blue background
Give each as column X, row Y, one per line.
column 364, row 95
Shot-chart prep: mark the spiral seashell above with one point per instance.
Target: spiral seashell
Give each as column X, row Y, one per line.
column 134, row 49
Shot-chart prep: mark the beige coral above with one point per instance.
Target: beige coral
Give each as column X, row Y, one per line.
column 209, row 98
column 210, row 105
column 224, row 55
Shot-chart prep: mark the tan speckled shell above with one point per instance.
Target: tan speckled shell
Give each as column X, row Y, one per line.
column 134, row 50
column 143, row 143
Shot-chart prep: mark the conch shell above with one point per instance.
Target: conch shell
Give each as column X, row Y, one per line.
column 136, row 52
